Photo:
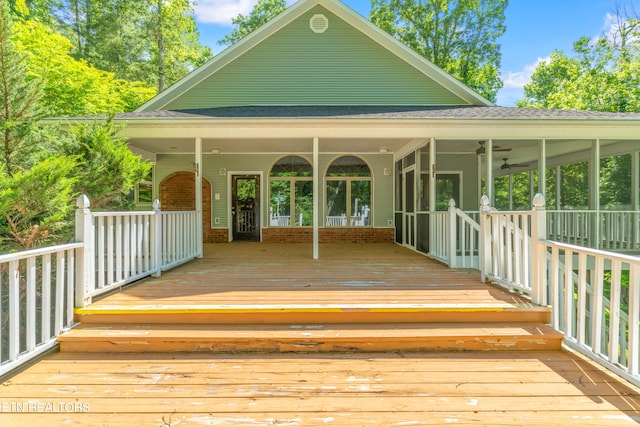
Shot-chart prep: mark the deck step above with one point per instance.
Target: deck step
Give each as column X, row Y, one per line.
column 314, row 314
column 310, row 337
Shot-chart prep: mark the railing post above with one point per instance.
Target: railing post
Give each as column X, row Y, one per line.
column 484, row 247
column 156, row 239
column 85, row 275
column 538, row 258
column 452, row 234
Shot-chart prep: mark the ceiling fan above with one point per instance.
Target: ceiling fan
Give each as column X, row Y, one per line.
column 507, row 165
column 482, row 150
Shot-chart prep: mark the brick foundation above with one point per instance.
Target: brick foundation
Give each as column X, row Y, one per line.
column 328, row 235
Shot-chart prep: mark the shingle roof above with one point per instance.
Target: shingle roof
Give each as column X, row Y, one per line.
column 379, row 112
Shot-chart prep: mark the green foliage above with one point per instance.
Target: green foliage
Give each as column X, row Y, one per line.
column 601, row 76
column 615, row 182
column 262, row 12
column 20, row 93
column 460, row 36
column 70, row 86
column 150, row 41
column 107, row 171
column 35, row 201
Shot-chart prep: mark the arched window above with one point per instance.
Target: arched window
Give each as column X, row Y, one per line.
column 291, row 191
column 348, row 196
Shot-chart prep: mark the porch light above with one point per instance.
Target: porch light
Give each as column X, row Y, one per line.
column 215, row 151
column 383, row 150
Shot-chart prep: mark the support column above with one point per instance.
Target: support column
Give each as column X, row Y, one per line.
column 594, row 194
column 198, row 167
column 635, row 196
column 542, row 167
column 488, row 184
column 432, row 172
column 316, row 197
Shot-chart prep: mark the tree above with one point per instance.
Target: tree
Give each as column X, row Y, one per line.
column 460, row 36
column 262, row 12
column 152, row 41
column 107, row 170
column 36, row 201
column 72, row 87
column 601, row 76
column 20, row 93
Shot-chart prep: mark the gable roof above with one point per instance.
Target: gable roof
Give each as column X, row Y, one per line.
column 219, row 82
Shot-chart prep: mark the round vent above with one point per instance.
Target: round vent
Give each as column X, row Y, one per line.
column 318, row 23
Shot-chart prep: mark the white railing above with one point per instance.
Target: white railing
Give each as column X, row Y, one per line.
column 122, row 247
column 507, row 255
column 180, row 237
column 611, row 230
column 454, row 238
column 600, row 318
column 439, row 233
column 36, row 301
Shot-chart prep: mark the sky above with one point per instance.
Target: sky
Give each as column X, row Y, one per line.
column 535, row 28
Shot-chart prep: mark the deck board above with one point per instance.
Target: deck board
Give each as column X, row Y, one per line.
column 507, row 388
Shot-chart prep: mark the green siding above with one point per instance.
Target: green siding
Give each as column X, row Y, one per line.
column 296, row 66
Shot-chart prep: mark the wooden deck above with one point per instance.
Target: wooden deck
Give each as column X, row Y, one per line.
column 215, row 342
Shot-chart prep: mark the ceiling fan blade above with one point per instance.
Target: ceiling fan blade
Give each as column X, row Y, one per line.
column 483, row 150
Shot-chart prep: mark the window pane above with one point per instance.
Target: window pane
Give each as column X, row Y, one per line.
column 304, row 203
column 336, row 203
column 348, row 166
column 145, row 189
column 292, row 166
column 280, row 204
column 360, row 203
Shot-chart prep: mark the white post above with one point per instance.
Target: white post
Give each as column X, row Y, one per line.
column 316, row 197
column 542, row 167
column 199, row 233
column 432, row 193
column 156, row 239
column 488, row 184
column 452, row 234
column 538, row 258
column 594, row 194
column 85, row 276
column 484, row 248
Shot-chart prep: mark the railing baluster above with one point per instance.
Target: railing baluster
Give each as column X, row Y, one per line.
column 614, row 312
column 597, row 311
column 31, row 304
column 582, row 298
column 45, row 312
column 14, row 310
column 60, row 292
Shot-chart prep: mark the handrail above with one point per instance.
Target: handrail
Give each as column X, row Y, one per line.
column 611, row 336
column 36, row 301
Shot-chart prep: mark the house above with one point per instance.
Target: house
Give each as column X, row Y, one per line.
column 321, row 127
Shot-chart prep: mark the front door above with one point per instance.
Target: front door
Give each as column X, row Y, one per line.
column 245, row 207
column 409, row 183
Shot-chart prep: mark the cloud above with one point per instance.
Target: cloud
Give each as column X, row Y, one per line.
column 221, row 11
column 517, row 79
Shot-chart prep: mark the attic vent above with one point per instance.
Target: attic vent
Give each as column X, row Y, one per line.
column 318, row 23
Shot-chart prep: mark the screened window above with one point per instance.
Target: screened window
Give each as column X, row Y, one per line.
column 291, row 193
column 348, row 184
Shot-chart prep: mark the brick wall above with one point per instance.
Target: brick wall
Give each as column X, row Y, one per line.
column 178, row 193
column 328, row 235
